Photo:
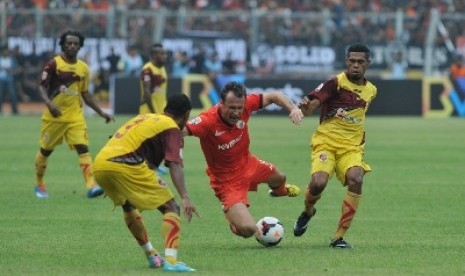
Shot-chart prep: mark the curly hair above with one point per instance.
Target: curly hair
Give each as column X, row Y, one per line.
column 72, row 33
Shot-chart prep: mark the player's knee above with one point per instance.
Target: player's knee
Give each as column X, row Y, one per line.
column 170, row 207
column 243, row 230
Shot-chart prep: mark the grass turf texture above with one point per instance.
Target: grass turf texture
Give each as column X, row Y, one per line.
column 410, row 220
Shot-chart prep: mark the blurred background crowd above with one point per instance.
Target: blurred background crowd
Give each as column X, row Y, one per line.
column 331, row 23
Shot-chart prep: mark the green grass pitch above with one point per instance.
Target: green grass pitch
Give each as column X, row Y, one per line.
column 410, row 221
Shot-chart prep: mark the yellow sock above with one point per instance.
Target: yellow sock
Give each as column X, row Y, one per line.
column 171, row 232
column 310, row 201
column 136, row 226
column 41, row 166
column 85, row 162
column 349, row 208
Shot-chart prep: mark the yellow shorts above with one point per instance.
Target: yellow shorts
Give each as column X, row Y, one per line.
column 52, row 134
column 137, row 184
column 337, row 159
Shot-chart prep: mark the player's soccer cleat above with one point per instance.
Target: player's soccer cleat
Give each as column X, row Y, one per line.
column 40, row 192
column 177, row 267
column 292, row 191
column 94, row 192
column 301, row 224
column 155, row 261
column 340, row 243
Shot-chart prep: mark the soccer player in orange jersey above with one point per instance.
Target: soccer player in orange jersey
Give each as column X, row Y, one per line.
column 338, row 143
column 232, row 168
column 63, row 83
column 123, row 167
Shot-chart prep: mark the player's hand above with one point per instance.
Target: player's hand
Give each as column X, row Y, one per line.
column 54, row 110
column 296, row 115
column 189, row 209
column 108, row 118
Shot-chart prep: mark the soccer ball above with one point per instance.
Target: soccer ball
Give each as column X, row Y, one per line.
column 270, row 231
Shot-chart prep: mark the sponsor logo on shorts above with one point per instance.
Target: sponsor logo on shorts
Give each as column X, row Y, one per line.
column 323, row 157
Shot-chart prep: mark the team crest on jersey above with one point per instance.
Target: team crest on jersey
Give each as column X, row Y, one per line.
column 195, row 121
column 240, row 124
column 44, row 75
column 323, row 157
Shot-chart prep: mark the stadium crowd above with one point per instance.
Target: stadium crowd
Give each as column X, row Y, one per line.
column 350, row 20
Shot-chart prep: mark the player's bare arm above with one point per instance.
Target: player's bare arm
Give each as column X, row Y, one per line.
column 280, row 99
column 89, row 100
column 54, row 110
column 147, row 93
column 308, row 106
column 177, row 177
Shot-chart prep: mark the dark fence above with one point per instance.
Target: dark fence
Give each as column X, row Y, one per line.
column 423, row 97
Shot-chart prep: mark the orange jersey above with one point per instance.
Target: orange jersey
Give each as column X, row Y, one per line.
column 343, row 108
column 225, row 147
column 65, row 83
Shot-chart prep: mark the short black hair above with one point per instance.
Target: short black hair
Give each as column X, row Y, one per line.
column 156, row 47
column 178, row 104
column 237, row 88
column 359, row 48
column 72, row 33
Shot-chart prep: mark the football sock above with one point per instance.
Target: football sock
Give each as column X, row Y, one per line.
column 148, row 249
column 136, row 226
column 171, row 231
column 41, row 166
column 310, row 201
column 280, row 191
column 85, row 162
column 349, row 208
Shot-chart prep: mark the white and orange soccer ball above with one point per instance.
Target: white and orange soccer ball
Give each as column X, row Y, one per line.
column 270, row 231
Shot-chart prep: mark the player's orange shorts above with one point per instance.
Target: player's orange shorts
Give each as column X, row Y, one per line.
column 137, row 184
column 235, row 190
column 52, row 134
column 331, row 158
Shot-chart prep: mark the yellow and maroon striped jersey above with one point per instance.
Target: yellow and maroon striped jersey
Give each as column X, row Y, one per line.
column 343, row 108
column 65, row 83
column 149, row 138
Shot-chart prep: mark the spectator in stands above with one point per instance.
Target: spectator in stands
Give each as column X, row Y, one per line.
column 132, row 63
column 180, row 65
column 213, row 65
column 229, row 65
column 457, row 68
column 7, row 67
column 198, row 62
column 398, row 67
column 113, row 60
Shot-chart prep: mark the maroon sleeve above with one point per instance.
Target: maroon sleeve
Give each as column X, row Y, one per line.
column 324, row 91
column 174, row 144
column 47, row 73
